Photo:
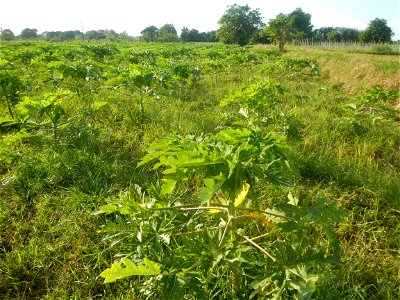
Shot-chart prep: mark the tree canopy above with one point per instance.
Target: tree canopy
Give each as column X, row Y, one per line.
column 193, row 35
column 280, row 30
column 168, row 33
column 150, row 34
column 239, row 24
column 29, row 33
column 377, row 31
column 301, row 23
column 336, row 34
column 7, row 35
column 285, row 28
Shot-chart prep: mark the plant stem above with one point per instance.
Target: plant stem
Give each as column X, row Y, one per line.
column 219, row 207
column 225, row 231
column 257, row 246
column 8, row 104
column 9, row 108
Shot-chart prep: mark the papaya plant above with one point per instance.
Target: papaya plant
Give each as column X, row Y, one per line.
column 226, row 240
column 10, row 85
column 292, row 67
column 258, row 104
column 138, row 80
column 44, row 112
column 78, row 76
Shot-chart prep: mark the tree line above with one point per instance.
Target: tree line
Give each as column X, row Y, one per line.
column 239, row 24
column 243, row 25
column 61, row 36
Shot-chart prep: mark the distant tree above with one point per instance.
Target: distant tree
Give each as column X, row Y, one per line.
column 192, row 35
column 261, row 37
column 334, row 36
column 72, row 35
column 52, row 36
column 150, row 34
column 111, row 35
column 185, row 34
column 29, row 33
column 280, row 30
column 124, row 36
column 348, row 34
column 377, row 31
column 301, row 23
column 321, row 34
column 95, row 35
column 239, row 24
column 7, row 35
column 210, row 36
column 168, row 33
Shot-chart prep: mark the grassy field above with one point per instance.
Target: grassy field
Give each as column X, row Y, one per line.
column 76, row 119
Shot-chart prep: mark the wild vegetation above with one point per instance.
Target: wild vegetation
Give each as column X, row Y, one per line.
column 172, row 171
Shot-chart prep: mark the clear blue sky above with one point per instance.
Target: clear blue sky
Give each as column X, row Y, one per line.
column 133, row 16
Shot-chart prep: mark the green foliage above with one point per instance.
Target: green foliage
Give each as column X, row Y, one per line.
column 46, row 112
column 260, row 97
column 298, row 66
column 381, row 50
column 375, row 103
column 230, row 163
column 80, row 77
column 10, row 86
column 201, row 260
column 128, row 268
column 377, row 32
column 285, row 28
column 7, row 35
column 302, row 23
column 336, row 34
column 210, row 221
column 168, row 33
column 29, row 33
column 227, row 160
column 280, row 30
column 150, row 34
column 238, row 24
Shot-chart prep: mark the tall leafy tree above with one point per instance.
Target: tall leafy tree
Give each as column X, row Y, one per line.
column 190, row 35
column 150, row 34
column 210, row 36
column 7, row 35
column 168, row 33
column 95, row 35
column 239, row 24
column 334, row 36
column 301, row 23
column 343, row 34
column 321, row 34
column 280, row 30
column 377, row 31
column 29, row 33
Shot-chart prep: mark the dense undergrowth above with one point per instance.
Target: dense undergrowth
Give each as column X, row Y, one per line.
column 207, row 171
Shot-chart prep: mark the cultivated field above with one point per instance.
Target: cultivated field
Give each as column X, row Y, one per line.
column 198, row 171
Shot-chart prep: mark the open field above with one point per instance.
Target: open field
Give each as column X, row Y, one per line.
column 184, row 155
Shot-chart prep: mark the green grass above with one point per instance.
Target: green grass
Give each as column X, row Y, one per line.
column 50, row 186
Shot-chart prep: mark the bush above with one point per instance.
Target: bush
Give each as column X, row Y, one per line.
column 382, row 50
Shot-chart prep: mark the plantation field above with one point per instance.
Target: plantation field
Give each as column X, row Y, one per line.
column 198, row 171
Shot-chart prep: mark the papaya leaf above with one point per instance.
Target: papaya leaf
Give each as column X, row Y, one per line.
column 168, row 186
column 126, row 268
column 211, row 186
column 242, row 195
